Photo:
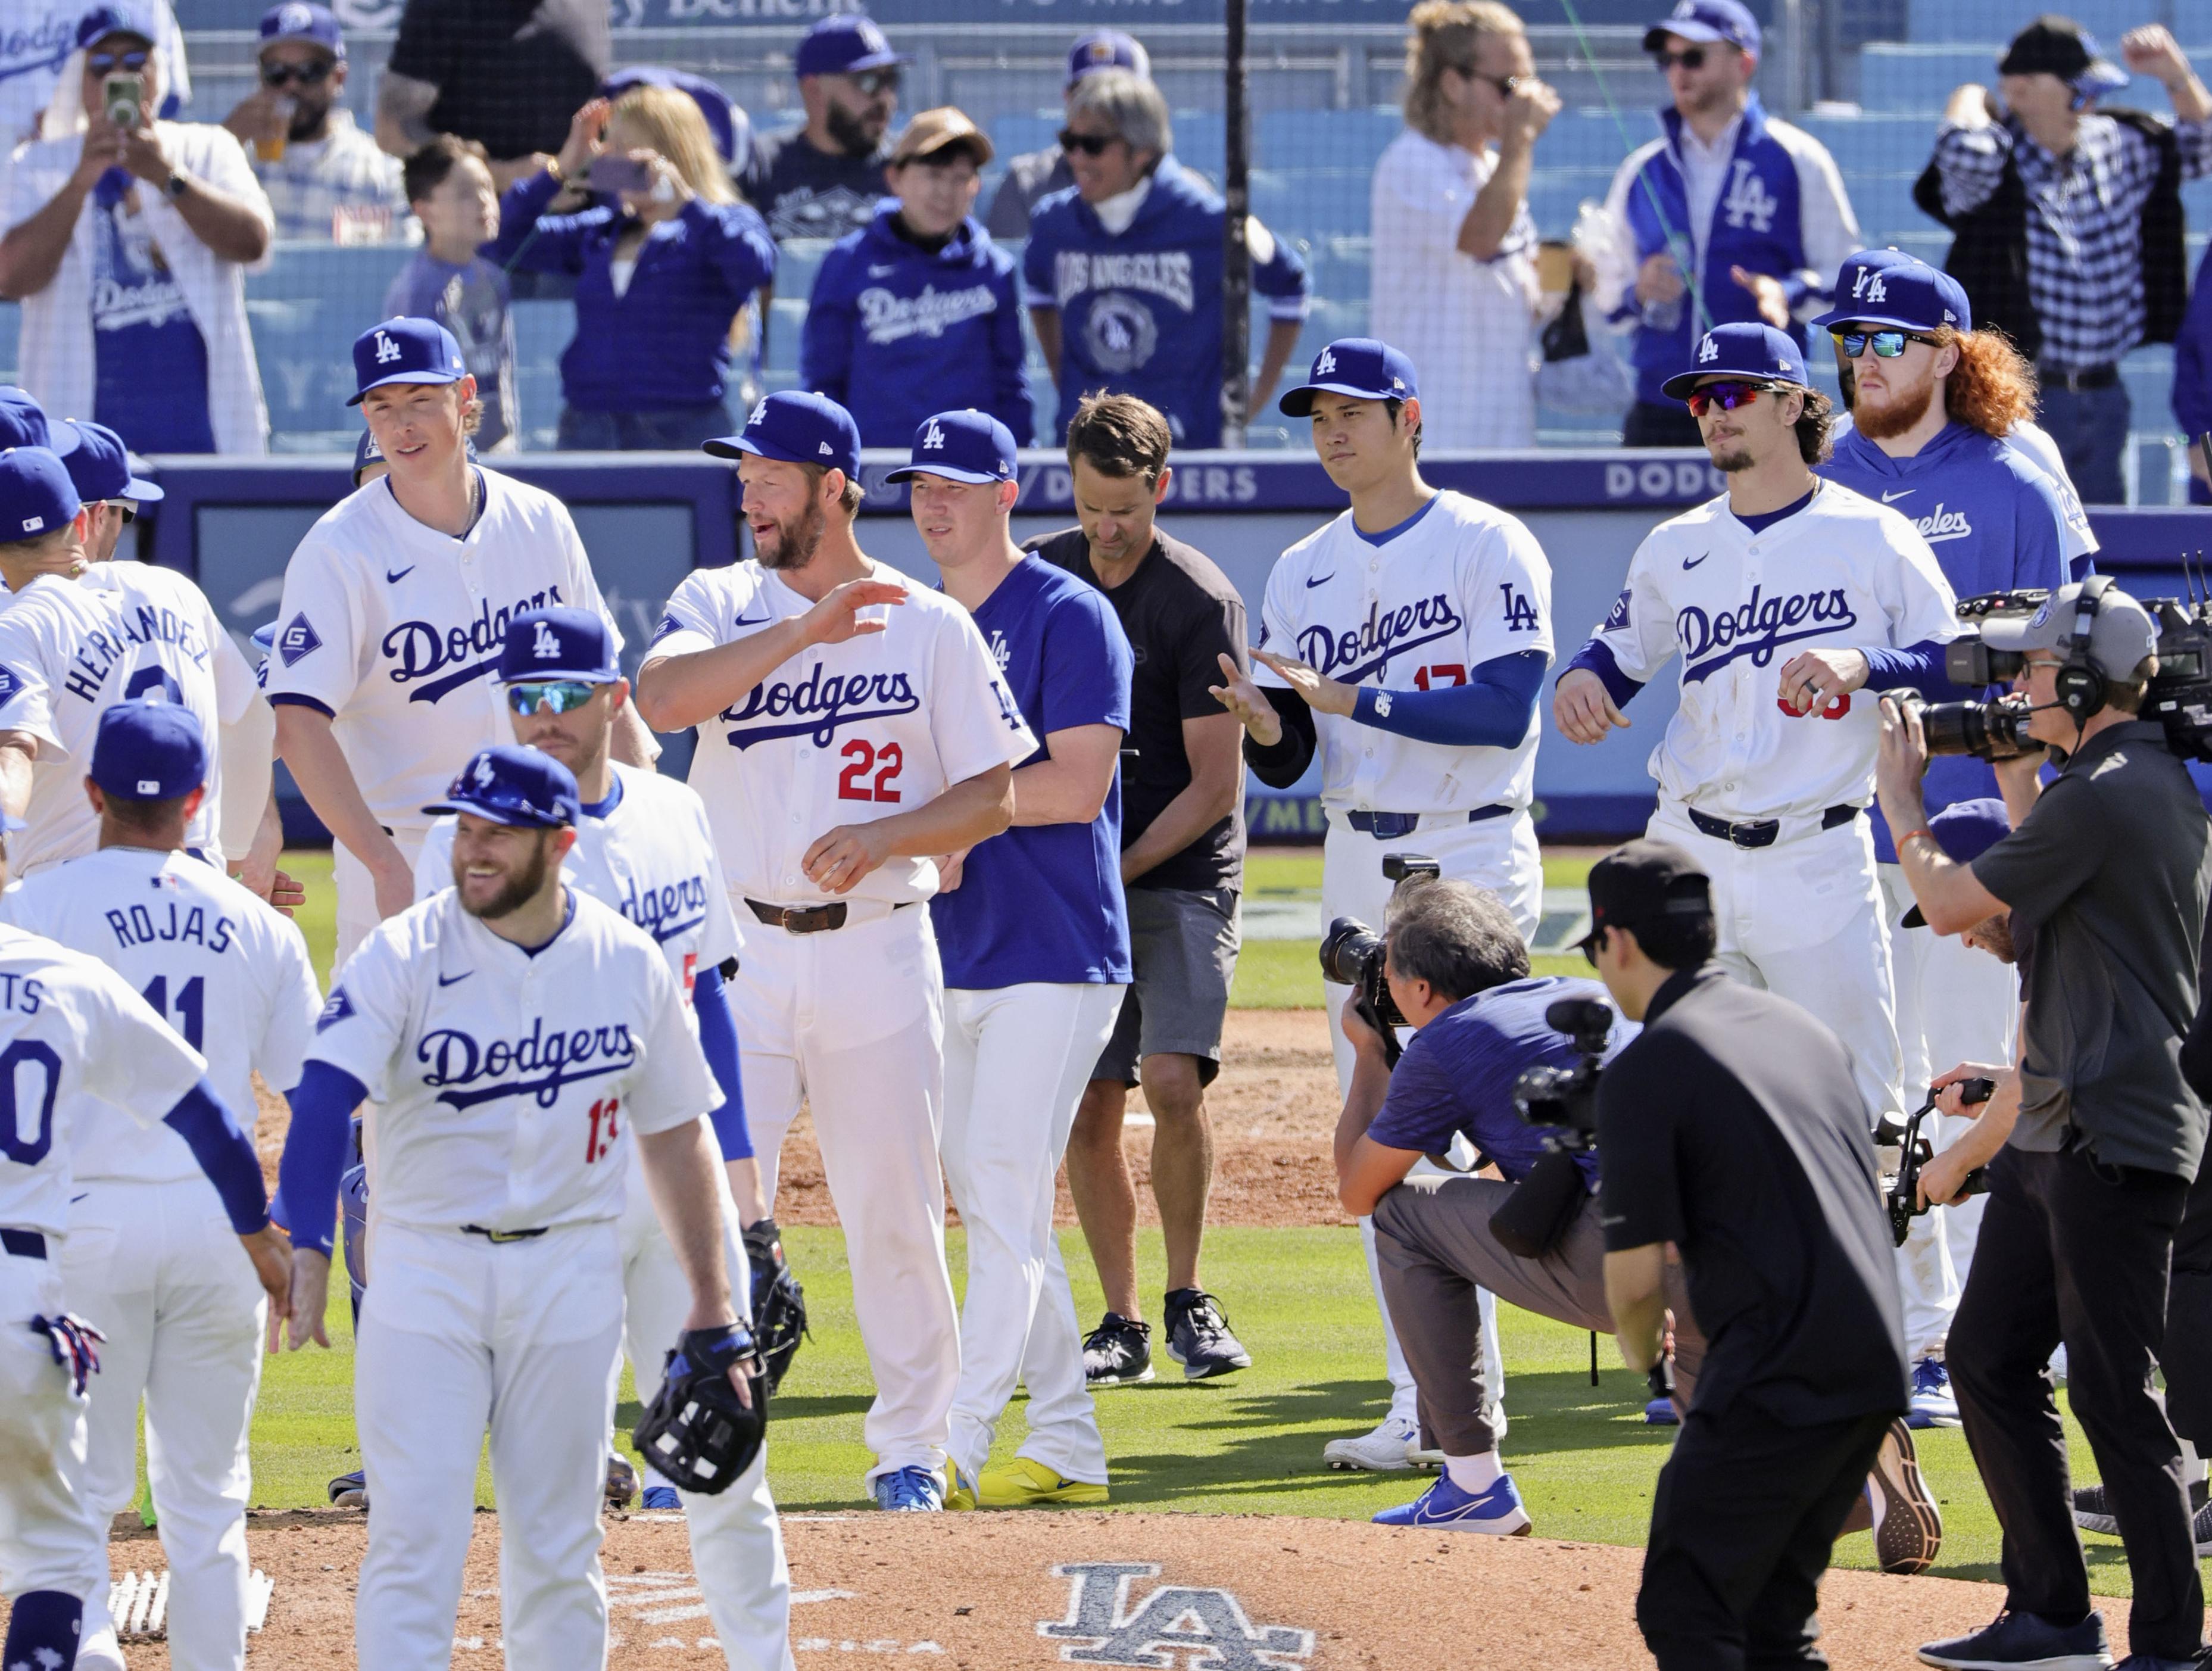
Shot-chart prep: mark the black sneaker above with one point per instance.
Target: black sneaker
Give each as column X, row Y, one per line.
column 1118, row 1352
column 2024, row 1639
column 2093, row 1514
column 1199, row 1337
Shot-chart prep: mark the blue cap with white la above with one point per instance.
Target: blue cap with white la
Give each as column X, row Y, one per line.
column 800, row 428
column 149, row 751
column 1107, row 49
column 404, row 350
column 116, row 18
column 365, row 452
column 1704, row 22
column 303, row 21
column 845, row 44
column 23, row 420
column 966, row 446
column 1360, row 366
column 1906, row 293
column 1746, row 349
column 36, row 494
column 514, row 786
column 99, row 463
column 558, row 643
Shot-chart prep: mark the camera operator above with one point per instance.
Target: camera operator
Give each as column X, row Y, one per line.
column 1730, row 1127
column 2112, row 866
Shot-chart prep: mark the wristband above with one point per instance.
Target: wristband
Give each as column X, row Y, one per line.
column 1898, row 843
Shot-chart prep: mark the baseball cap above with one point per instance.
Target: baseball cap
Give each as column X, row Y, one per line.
column 2055, row 45
column 1107, row 49
column 1966, row 829
column 1904, row 292
column 722, row 114
column 98, row 463
column 116, row 19
column 1360, row 366
column 23, row 420
column 517, row 786
column 798, row 427
column 967, row 446
column 1746, row 349
column 404, row 350
column 149, row 750
column 36, row 494
column 1722, row 20
column 2121, row 633
column 557, row 643
column 843, row 45
column 932, row 132
column 365, row 452
column 303, row 20
column 1639, row 882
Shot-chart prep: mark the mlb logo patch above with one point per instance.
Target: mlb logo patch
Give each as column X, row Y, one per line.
column 32, row 524
column 297, row 639
column 338, row 1007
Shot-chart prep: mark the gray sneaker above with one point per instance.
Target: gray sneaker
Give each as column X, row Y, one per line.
column 1118, row 1352
column 2093, row 1514
column 1199, row 1337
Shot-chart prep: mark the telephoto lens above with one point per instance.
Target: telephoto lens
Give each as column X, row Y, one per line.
column 1988, row 731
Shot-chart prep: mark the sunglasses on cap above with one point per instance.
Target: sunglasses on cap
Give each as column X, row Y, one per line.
column 105, row 63
column 1726, row 396
column 1090, row 144
column 560, row 696
column 875, row 82
column 1690, row 57
column 1886, row 344
column 304, row 74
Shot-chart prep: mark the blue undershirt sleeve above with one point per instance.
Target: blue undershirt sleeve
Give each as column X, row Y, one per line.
column 225, row 1153
column 1597, row 657
column 718, row 1038
column 315, row 1151
column 1492, row 709
column 1920, row 666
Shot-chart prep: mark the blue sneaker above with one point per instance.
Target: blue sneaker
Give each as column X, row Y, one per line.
column 1661, row 1413
column 909, row 1490
column 2024, row 1639
column 1934, row 1404
column 663, row 1499
column 1445, row 1507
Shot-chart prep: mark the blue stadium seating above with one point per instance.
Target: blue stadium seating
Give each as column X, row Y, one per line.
column 1999, row 20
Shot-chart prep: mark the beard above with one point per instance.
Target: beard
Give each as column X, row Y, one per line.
column 1994, row 936
column 307, row 120
column 1730, row 463
column 796, row 541
column 1895, row 416
column 855, row 136
column 517, row 891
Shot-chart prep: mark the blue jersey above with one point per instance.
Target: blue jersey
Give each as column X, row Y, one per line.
column 1044, row 902
column 1996, row 524
column 1457, row 1074
column 1140, row 311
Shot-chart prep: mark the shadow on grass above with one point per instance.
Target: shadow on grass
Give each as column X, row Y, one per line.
column 2103, row 1558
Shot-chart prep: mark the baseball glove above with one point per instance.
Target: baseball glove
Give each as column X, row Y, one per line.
column 778, row 1303
column 696, row 1434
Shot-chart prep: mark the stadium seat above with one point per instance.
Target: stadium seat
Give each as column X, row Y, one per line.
column 1324, row 138
column 1919, row 77
column 1998, row 21
column 304, row 308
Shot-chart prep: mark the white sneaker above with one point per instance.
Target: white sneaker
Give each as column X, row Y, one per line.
column 101, row 1652
column 1387, row 1449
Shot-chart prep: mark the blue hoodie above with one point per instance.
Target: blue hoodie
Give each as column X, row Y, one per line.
column 895, row 333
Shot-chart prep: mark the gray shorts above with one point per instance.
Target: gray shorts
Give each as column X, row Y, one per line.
column 1182, row 944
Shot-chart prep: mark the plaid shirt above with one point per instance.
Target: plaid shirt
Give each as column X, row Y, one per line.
column 2084, row 223
column 310, row 183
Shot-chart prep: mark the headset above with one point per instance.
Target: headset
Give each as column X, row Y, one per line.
column 2079, row 684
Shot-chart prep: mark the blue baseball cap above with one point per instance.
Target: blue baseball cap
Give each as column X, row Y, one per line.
column 724, row 118
column 966, row 446
column 1360, row 366
column 23, row 420
column 404, row 350
column 1722, row 21
column 800, row 428
column 517, row 786
column 116, row 18
column 365, row 452
column 557, row 643
column 1107, row 49
column 1749, row 349
column 149, row 751
column 303, row 20
column 36, row 494
column 843, row 45
column 98, row 463
column 1907, row 294
column 264, row 638
column 1966, row 829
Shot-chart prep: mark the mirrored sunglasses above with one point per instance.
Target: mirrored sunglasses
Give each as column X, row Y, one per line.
column 105, row 63
column 1886, row 344
column 561, row 695
column 1726, row 396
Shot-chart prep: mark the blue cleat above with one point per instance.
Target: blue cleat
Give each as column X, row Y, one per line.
column 1934, row 1403
column 1661, row 1413
column 1445, row 1507
column 909, row 1490
column 662, row 1499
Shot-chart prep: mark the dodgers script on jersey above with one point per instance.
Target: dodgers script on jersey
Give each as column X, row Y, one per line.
column 1463, row 585
column 395, row 630
column 71, row 650
column 841, row 733
column 71, row 1030
column 229, row 974
column 1843, row 573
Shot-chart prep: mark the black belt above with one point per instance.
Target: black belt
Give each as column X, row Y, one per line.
column 23, row 1243
column 505, row 1235
column 1761, row 832
column 805, row 919
column 2088, row 377
column 1389, row 826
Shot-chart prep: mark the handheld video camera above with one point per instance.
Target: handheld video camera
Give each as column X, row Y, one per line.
column 1351, row 955
column 1564, row 1100
column 1915, row 1152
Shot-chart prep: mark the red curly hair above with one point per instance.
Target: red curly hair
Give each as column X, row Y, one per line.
column 1992, row 388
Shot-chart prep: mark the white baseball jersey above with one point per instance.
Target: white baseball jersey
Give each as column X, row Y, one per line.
column 71, row 650
column 1843, row 573
column 840, row 734
column 229, row 974
column 71, row 1029
column 508, row 1082
column 394, row 630
column 1464, row 584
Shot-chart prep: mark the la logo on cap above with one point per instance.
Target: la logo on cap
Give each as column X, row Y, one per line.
column 932, row 439
column 1326, row 364
column 291, row 21
column 386, row 349
column 1869, row 287
column 1708, row 350
column 483, row 772
column 546, row 646
column 760, row 414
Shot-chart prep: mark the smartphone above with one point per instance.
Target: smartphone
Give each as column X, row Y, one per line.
column 619, row 173
column 123, row 97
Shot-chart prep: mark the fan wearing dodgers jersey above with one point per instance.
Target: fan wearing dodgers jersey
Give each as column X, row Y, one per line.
column 145, row 1261
column 395, row 606
column 1035, row 934
column 1785, row 597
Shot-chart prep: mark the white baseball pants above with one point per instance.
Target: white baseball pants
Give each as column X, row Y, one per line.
column 458, row 1335
column 355, row 889
column 157, row 1268
column 48, row 1539
column 852, row 1023
column 1016, row 1061
column 737, row 1541
column 1501, row 855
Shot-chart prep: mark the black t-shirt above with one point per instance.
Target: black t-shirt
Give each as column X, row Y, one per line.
column 802, row 192
column 1731, row 1127
column 510, row 74
column 1181, row 613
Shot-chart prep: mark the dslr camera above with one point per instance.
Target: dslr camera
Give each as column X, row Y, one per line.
column 1351, row 955
column 1564, row 1100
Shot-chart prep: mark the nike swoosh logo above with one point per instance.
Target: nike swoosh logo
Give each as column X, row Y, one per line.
column 394, row 578
column 1691, row 562
column 1888, row 497
column 451, row 980
column 1323, row 580
column 752, row 621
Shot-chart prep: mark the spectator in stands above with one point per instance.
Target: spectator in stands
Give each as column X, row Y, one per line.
column 1035, row 175
column 1122, row 275
column 661, row 270
column 507, row 74
column 2070, row 221
column 448, row 279
column 316, row 166
column 2192, row 380
column 916, row 313
column 823, row 179
column 127, row 242
column 34, row 64
column 1455, row 272
column 1732, row 217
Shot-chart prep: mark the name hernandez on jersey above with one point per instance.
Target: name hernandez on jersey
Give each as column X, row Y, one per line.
column 840, row 734
column 1737, row 606
column 1465, row 584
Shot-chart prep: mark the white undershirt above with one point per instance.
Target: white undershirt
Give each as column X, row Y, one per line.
column 621, row 270
column 1705, row 172
column 1115, row 214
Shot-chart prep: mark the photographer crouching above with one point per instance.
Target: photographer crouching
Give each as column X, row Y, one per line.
column 2108, row 873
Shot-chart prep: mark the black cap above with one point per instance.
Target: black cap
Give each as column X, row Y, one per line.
column 1643, row 882
column 2055, row 45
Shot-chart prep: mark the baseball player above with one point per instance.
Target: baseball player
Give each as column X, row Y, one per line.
column 1784, row 598
column 513, row 1033
column 1035, row 934
column 145, row 1261
column 852, row 728
column 98, row 465
column 395, row 606
column 642, row 847
column 1405, row 643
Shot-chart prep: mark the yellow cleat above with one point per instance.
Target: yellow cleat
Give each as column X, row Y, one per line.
column 1023, row 1483
column 959, row 1489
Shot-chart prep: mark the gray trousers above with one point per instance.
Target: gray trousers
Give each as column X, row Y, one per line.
column 1432, row 1238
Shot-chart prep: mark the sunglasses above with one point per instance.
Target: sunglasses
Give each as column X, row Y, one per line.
column 1505, row 84
column 1886, row 344
column 1690, row 57
column 1726, row 396
column 1090, row 144
column 875, row 81
column 561, row 695
column 288, row 75
column 104, row 63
